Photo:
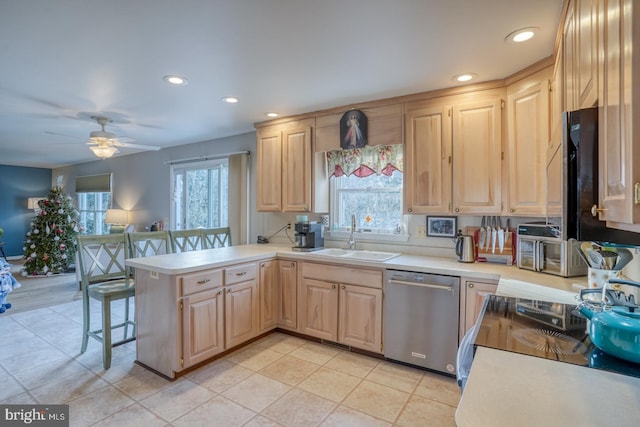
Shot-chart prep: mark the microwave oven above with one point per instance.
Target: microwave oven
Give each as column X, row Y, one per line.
column 541, row 248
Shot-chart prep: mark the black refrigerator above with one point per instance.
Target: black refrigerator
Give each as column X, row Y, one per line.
column 580, row 146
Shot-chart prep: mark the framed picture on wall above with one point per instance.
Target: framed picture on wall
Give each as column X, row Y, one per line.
column 353, row 130
column 441, row 226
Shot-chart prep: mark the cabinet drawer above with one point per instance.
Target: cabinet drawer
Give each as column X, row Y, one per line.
column 343, row 274
column 240, row 273
column 200, row 281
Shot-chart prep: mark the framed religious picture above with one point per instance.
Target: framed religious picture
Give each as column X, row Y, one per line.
column 441, row 226
column 353, row 130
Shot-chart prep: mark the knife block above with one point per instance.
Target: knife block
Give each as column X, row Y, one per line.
column 508, row 255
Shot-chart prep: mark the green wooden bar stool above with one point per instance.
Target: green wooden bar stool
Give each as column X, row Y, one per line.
column 186, row 240
column 148, row 243
column 216, row 237
column 105, row 278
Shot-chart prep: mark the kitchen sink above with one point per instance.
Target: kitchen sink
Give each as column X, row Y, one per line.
column 356, row 254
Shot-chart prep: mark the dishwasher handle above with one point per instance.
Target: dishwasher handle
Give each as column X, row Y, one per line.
column 422, row 285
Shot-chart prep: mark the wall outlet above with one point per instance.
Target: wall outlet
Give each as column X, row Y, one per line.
column 421, row 231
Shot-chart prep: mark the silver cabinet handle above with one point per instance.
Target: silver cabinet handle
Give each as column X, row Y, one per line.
column 333, row 286
column 471, row 285
column 241, row 274
column 422, row 285
column 203, row 281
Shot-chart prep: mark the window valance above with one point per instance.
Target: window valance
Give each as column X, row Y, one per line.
column 362, row 162
column 94, row 183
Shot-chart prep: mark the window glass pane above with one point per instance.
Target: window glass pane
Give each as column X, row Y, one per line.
column 197, row 198
column 92, row 208
column 376, row 201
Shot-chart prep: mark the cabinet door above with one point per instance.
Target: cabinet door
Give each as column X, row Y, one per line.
column 427, row 176
column 320, row 309
column 202, row 326
column 268, row 290
column 269, row 170
column 477, row 157
column 528, row 123
column 296, row 172
column 586, row 21
column 287, row 313
column 360, row 317
column 569, row 50
column 618, row 174
column 241, row 312
column 475, row 293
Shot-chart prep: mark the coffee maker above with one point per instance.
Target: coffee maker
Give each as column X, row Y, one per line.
column 309, row 236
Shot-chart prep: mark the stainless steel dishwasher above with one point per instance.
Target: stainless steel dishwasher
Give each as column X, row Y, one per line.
column 421, row 316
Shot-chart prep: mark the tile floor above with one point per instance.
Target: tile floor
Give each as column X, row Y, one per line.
column 279, row 380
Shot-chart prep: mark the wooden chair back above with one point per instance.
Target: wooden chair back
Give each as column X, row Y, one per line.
column 148, row 243
column 186, row 240
column 101, row 258
column 216, row 237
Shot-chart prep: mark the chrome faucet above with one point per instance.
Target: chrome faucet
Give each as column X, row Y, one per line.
column 351, row 244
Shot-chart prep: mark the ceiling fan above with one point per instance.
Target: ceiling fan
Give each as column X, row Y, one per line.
column 105, row 144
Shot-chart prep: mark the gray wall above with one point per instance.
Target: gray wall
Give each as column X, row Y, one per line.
column 142, row 181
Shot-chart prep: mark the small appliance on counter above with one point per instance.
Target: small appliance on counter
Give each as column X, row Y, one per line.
column 541, row 248
column 465, row 248
column 309, row 236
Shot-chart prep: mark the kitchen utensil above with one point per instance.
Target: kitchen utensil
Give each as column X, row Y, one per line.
column 624, row 257
column 494, row 235
column 483, row 233
column 596, row 259
column 609, row 259
column 500, row 235
column 465, row 248
column 583, row 256
column 614, row 321
column 584, row 247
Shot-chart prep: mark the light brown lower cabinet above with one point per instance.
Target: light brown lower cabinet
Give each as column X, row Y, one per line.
column 202, row 326
column 338, row 311
column 241, row 312
column 472, row 295
column 268, row 294
column 287, row 294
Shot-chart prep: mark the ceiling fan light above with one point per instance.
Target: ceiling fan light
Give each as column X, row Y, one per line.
column 104, row 151
column 175, row 80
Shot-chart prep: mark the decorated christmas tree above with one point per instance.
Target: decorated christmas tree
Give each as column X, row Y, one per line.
column 49, row 246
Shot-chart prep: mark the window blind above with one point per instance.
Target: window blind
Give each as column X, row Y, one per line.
column 94, row 183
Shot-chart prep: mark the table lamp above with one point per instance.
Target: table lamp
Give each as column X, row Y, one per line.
column 118, row 218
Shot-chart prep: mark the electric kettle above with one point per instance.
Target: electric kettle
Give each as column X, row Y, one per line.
column 465, row 248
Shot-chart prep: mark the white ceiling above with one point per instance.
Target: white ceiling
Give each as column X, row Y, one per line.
column 63, row 61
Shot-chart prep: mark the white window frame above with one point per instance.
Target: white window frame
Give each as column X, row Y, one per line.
column 363, row 234
column 183, row 168
column 99, row 212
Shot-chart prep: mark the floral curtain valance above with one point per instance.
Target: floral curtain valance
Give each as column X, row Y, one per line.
column 362, row 162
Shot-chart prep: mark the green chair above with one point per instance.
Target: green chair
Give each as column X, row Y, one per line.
column 216, row 237
column 105, row 278
column 186, row 240
column 148, row 243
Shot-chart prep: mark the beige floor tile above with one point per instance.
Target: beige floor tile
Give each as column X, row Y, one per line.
column 256, row 392
column 425, row 412
column 21, row 346
column 177, row 399
column 299, row 408
column 97, row 405
column 220, row 375
column 68, row 388
column 260, row 421
column 10, row 388
column 343, row 416
column 218, row 411
column 440, row 388
column 289, row 370
column 330, row 384
column 352, row 364
column 133, row 416
column 315, row 353
column 253, row 357
column 49, row 372
column 20, row 399
column 142, row 385
column 120, row 369
column 42, row 356
column 281, row 343
column 397, row 376
column 377, row 400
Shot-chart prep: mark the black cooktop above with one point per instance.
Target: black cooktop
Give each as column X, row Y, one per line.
column 544, row 329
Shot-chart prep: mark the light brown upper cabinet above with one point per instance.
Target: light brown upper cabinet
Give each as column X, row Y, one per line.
column 427, row 158
column 528, row 136
column 580, row 54
column 477, row 156
column 619, row 156
column 289, row 176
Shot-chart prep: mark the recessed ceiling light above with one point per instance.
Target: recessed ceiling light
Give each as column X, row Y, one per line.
column 271, row 114
column 230, row 99
column 175, row 80
column 465, row 77
column 521, row 35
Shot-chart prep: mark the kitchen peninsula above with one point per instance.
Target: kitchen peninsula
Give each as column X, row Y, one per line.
column 500, row 382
